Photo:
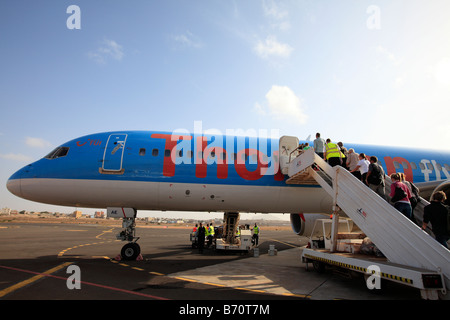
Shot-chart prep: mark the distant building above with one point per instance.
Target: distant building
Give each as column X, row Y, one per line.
column 99, row 214
column 5, row 211
column 77, row 214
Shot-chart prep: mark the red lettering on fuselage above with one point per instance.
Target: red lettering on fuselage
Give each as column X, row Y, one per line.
column 91, row 142
column 200, row 163
column 391, row 168
column 241, row 168
column 276, row 165
column 220, row 157
column 171, row 144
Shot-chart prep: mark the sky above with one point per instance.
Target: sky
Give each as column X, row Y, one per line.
column 372, row 72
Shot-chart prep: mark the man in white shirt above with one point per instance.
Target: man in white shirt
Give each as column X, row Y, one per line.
column 362, row 166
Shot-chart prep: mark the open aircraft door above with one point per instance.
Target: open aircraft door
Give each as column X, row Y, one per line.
column 287, row 145
column 113, row 155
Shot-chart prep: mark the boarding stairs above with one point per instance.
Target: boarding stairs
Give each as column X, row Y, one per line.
column 397, row 237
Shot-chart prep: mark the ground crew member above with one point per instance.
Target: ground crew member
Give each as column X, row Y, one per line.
column 256, row 234
column 210, row 234
column 194, row 234
column 201, row 237
column 207, row 234
column 333, row 153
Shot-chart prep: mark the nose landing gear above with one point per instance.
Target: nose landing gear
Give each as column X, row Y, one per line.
column 132, row 250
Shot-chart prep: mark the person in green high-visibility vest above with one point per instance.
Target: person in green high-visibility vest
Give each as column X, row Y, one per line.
column 333, row 153
column 210, row 234
column 256, row 234
column 207, row 235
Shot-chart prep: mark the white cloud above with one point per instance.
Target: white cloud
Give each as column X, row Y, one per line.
column 16, row 157
column 109, row 49
column 278, row 15
column 283, row 104
column 188, row 39
column 37, row 143
column 271, row 47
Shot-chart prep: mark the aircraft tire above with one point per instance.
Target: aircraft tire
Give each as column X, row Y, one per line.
column 130, row 251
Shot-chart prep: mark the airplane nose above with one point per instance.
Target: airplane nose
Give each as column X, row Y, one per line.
column 14, row 184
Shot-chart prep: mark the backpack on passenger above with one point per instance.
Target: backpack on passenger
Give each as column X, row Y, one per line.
column 448, row 220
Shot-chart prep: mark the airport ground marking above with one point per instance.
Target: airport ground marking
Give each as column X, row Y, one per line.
column 107, row 231
column 285, row 243
column 203, row 282
column 24, row 283
column 62, row 252
column 305, row 296
column 49, row 274
column 215, row 284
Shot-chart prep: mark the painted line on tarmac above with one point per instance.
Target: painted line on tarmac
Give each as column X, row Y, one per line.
column 304, row 296
column 62, row 252
column 24, row 283
column 285, row 243
column 49, row 275
column 107, row 231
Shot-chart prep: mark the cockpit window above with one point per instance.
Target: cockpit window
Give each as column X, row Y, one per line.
column 58, row 153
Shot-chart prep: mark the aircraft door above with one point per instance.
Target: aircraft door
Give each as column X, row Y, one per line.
column 113, row 155
column 286, row 147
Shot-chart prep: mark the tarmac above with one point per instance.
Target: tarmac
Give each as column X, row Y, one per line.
column 286, row 275
column 35, row 260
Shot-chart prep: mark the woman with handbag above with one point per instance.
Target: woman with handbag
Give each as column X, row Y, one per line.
column 400, row 195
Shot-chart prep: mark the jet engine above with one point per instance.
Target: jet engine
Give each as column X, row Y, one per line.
column 302, row 224
column 444, row 186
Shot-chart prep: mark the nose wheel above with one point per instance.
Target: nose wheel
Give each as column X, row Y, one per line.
column 130, row 251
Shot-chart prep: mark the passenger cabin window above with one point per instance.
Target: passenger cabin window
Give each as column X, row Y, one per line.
column 142, row 152
column 155, row 152
column 58, row 153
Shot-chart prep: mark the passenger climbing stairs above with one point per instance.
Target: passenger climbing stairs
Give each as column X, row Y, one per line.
column 397, row 237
